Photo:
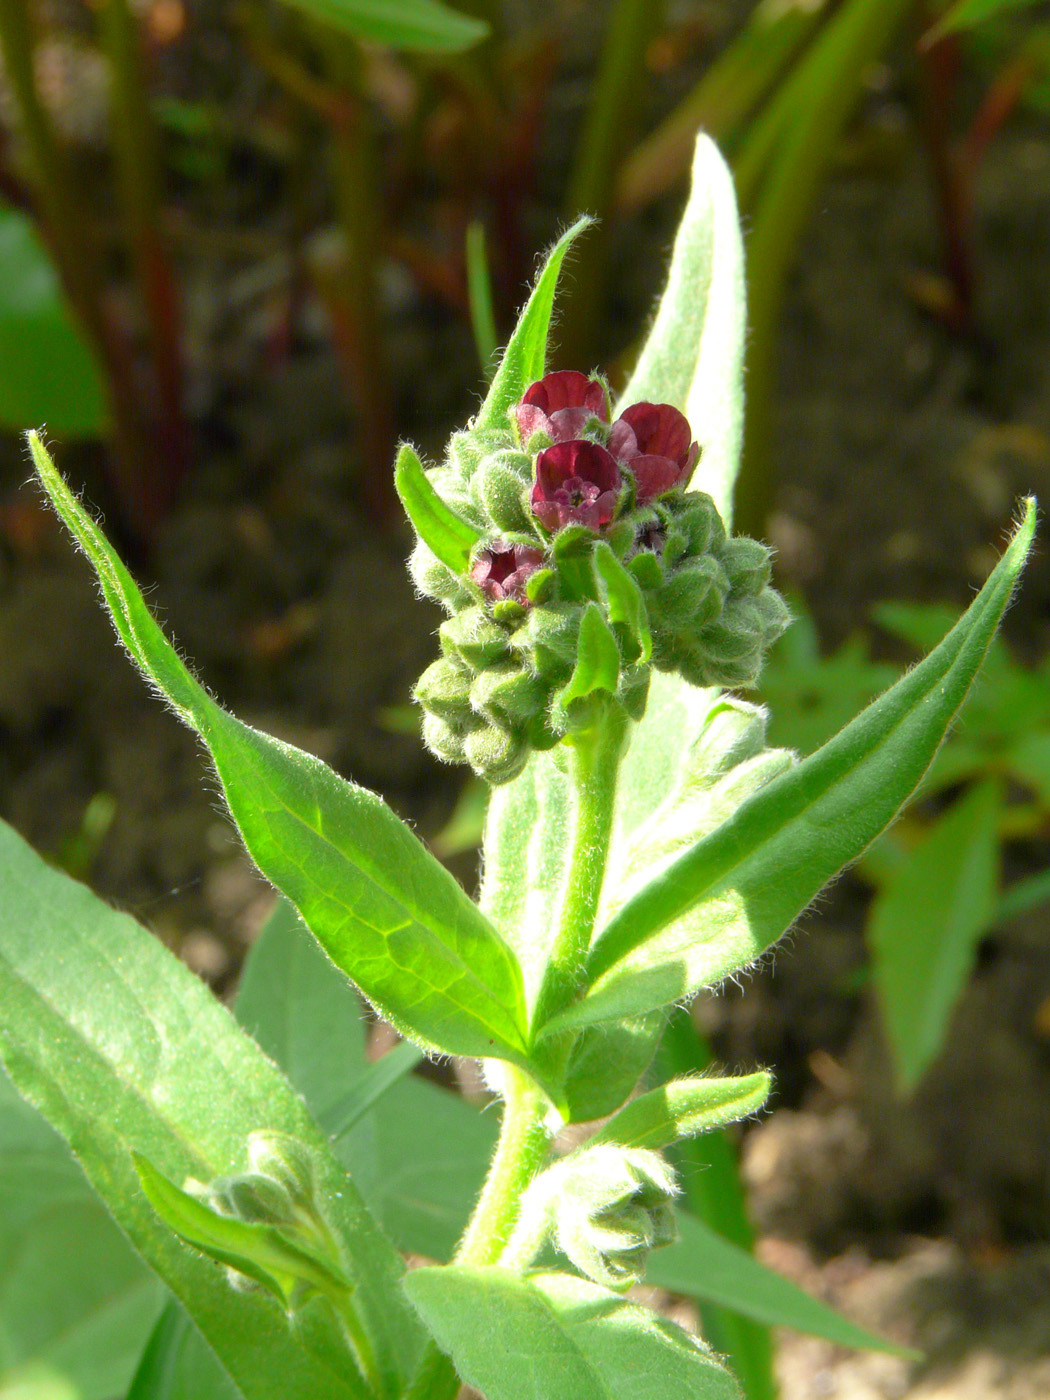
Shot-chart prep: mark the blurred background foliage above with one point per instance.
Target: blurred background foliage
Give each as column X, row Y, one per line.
column 247, row 244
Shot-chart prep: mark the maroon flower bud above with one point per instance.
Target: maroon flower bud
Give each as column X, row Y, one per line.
column 577, row 483
column 502, row 570
column 655, row 441
column 561, row 405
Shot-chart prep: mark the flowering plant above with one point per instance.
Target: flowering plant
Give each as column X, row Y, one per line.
column 642, row 843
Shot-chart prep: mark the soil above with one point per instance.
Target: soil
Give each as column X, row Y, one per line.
column 901, row 449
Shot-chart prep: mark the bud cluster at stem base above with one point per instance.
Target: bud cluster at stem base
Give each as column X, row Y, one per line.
column 594, row 562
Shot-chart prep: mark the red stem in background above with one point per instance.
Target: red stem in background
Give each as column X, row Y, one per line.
column 939, row 67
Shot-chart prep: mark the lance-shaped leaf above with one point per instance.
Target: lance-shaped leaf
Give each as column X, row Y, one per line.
column 926, row 923
column 259, row 1250
column 683, row 1108
column 447, row 535
column 123, row 1049
column 597, row 659
column 177, row 1364
column 728, row 898
column 424, row 25
column 383, row 908
column 624, row 602
column 693, row 357
column 525, row 357
column 549, row 1336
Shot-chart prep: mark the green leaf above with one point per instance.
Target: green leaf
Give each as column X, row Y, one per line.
column 749, row 879
column 964, row 14
column 448, row 535
column 701, row 1264
column 123, row 1049
column 178, row 1365
column 376, row 1081
column 548, row 1336
column 253, row 1248
column 76, row 1302
column 302, row 1011
column 524, row 865
column 694, row 355
column 423, row 25
column 606, row 1062
column 383, row 908
column 683, row 1108
column 624, row 602
column 597, row 660
column 694, row 359
column 49, row 375
column 926, row 922
column 420, row 1155
column 525, row 357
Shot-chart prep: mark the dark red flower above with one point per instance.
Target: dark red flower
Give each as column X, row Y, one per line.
column 561, row 405
column 655, row 441
column 577, row 483
column 502, row 570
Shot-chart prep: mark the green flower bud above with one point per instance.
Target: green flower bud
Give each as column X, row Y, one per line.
column 436, row 580
column 253, row 1198
column 611, row 1207
column 495, row 754
column 445, row 741
column 472, row 637
column 508, row 695
column 747, row 564
column 444, row 690
column 500, row 488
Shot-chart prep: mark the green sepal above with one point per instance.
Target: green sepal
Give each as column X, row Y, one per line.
column 684, row 1108
column 538, row 586
column 500, row 488
column 449, row 537
column 597, row 660
column 262, row 1252
column 624, row 603
column 525, row 357
column 647, row 569
column 573, row 548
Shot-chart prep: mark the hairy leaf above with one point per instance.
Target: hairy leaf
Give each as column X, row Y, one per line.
column 525, row 357
column 384, row 909
column 123, row 1049
column 682, row 1108
column 694, row 355
column 448, row 536
column 549, row 1336
column 747, row 881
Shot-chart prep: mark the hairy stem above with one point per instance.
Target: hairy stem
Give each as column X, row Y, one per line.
column 522, row 1149
column 595, row 764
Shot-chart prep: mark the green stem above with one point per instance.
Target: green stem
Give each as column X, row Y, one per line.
column 595, row 765
column 522, row 1149
column 523, row 1144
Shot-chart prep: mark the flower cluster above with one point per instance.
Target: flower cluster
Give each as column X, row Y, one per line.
column 584, row 524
